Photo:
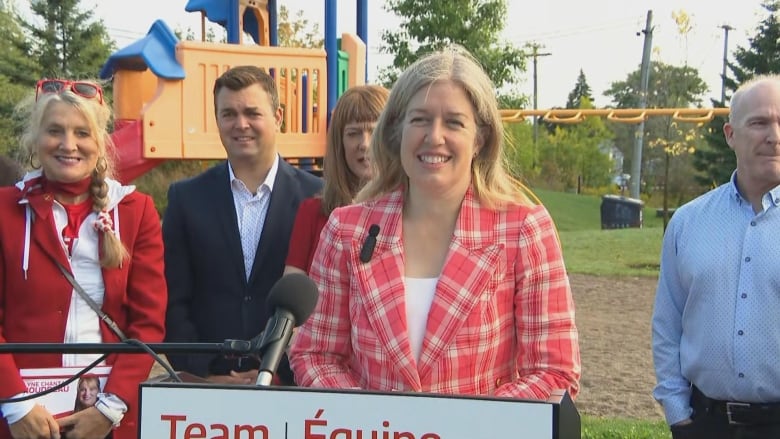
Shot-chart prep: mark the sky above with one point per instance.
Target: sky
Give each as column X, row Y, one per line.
column 597, row 36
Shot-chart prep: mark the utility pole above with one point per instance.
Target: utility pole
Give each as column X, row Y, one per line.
column 636, row 162
column 726, row 28
column 536, row 54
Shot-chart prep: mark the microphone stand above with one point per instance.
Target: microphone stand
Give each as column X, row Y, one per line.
column 228, row 347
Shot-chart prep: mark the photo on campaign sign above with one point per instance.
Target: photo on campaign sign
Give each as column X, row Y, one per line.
column 74, row 397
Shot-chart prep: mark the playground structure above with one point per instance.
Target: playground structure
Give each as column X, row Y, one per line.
column 163, row 101
column 164, row 105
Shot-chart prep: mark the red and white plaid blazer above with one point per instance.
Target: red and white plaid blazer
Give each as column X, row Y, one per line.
column 501, row 322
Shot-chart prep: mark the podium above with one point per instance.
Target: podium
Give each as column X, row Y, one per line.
column 195, row 408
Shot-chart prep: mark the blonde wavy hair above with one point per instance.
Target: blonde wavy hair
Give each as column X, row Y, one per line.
column 493, row 185
column 98, row 117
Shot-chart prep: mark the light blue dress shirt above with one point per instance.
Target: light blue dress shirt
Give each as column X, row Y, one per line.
column 716, row 322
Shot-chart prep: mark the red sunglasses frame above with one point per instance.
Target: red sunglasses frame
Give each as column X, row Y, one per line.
column 66, row 84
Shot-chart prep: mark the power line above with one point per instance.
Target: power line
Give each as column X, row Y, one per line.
column 570, row 32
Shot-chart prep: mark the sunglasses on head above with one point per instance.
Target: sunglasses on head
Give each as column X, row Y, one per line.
column 88, row 90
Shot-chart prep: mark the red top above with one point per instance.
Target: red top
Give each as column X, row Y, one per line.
column 309, row 222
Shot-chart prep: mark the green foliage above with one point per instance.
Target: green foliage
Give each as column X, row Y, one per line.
column 70, row 42
column 429, row 25
column 519, row 150
column 763, row 54
column 716, row 162
column 608, row 428
column 581, row 90
column 573, row 156
column 10, row 126
column 298, row 31
column 15, row 61
column 156, row 181
column 669, row 87
column 18, row 74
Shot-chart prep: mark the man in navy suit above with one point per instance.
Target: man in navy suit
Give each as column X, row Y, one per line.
column 226, row 230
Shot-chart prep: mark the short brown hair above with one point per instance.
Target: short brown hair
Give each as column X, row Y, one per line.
column 240, row 77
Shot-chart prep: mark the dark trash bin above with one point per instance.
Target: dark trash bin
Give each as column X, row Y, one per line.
column 620, row 212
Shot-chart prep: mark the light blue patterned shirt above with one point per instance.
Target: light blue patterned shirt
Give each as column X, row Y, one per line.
column 716, row 322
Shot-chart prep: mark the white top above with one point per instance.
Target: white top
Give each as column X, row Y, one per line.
column 419, row 296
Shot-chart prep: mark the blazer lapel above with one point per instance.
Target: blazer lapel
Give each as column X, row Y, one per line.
column 282, row 208
column 43, row 230
column 381, row 283
column 223, row 209
column 473, row 258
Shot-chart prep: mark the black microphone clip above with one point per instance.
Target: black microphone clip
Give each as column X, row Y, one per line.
column 368, row 245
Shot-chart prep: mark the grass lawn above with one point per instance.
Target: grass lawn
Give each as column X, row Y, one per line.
column 588, row 249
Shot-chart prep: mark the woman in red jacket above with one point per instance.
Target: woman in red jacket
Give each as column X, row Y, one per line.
column 443, row 277
column 68, row 217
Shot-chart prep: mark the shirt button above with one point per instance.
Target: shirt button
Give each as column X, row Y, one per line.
column 741, row 332
column 747, row 259
column 498, row 382
column 744, row 296
column 247, row 298
column 741, row 375
column 752, row 223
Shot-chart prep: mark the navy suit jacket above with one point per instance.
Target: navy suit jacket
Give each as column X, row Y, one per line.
column 209, row 297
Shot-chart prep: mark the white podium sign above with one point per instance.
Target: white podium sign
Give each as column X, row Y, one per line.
column 186, row 411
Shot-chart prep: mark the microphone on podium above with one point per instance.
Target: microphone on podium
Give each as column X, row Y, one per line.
column 293, row 298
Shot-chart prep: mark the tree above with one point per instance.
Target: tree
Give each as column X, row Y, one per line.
column 669, row 87
column 430, row 25
column 18, row 74
column 69, row 42
column 298, row 32
column 716, row 162
column 575, row 156
column 677, row 142
column 15, row 61
column 581, row 90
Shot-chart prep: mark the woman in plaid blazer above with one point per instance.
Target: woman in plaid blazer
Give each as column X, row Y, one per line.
column 463, row 289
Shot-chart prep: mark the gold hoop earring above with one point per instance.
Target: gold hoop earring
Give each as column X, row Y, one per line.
column 32, row 161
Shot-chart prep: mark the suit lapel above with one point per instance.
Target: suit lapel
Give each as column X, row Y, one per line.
column 382, row 288
column 282, row 208
column 44, row 231
column 223, row 209
column 472, row 260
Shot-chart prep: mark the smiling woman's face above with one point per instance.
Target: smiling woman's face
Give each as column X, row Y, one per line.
column 88, row 391
column 66, row 147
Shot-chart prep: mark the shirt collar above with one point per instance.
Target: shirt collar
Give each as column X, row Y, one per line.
column 270, row 178
column 774, row 193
